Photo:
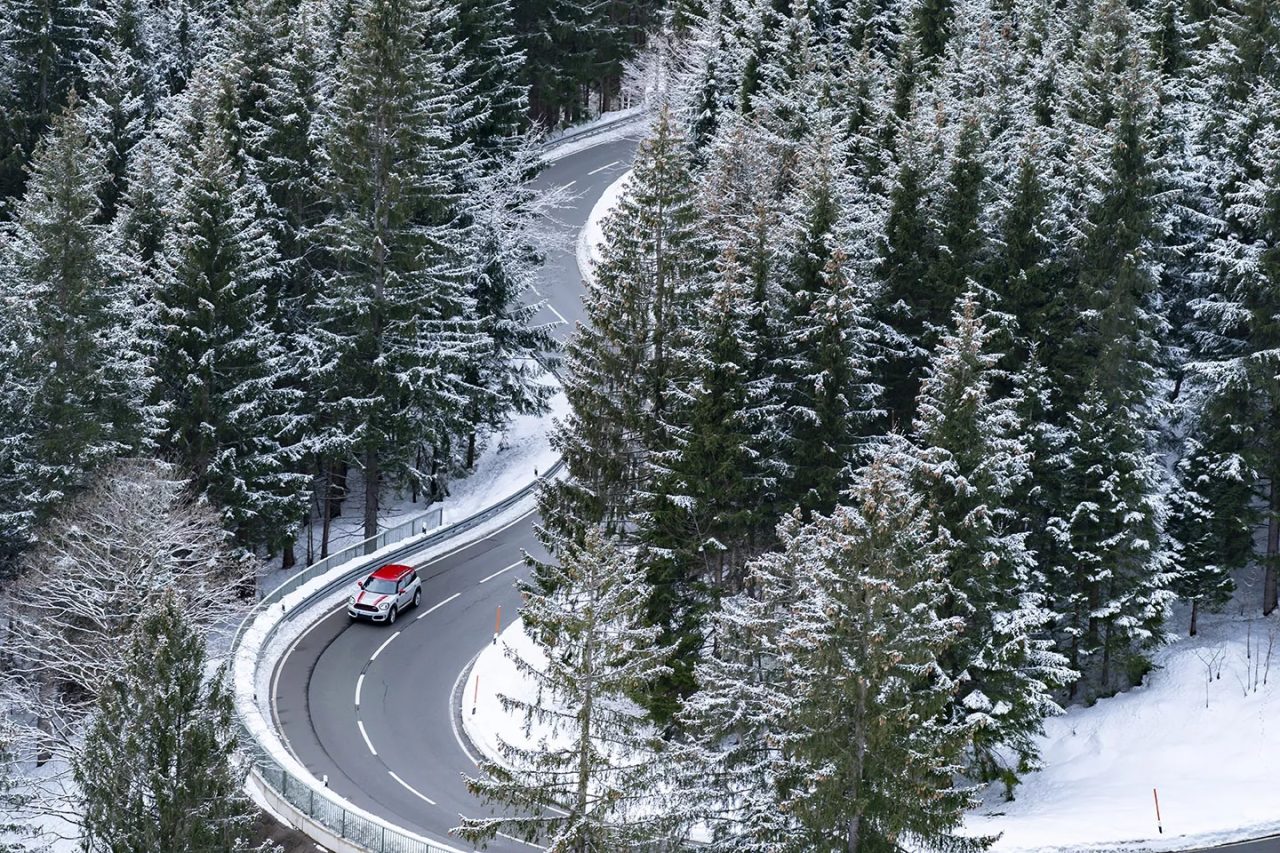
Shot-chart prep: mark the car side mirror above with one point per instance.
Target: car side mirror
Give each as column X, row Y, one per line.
column 360, row 584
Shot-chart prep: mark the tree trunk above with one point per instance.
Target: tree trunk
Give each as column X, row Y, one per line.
column 1273, row 551
column 370, row 493
column 290, row 558
column 337, row 491
column 1195, row 614
column 326, row 509
column 471, row 450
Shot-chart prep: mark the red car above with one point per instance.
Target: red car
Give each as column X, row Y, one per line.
column 385, row 594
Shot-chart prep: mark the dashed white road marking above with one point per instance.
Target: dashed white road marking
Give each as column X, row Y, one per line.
column 500, row 571
column 411, row 789
column 436, row 607
column 602, row 168
column 522, row 841
column 385, row 643
column 365, row 735
column 359, row 684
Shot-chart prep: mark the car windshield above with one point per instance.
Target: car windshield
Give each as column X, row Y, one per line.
column 379, row 586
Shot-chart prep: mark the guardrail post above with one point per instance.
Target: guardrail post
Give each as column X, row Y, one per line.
column 311, row 812
column 384, row 839
column 342, row 831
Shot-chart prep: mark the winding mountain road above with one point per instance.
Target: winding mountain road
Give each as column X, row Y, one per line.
column 364, row 704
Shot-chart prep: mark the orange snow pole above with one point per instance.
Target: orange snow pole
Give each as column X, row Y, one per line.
column 475, row 697
column 1159, row 824
column 497, row 624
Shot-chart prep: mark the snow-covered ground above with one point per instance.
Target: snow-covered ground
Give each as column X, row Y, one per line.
column 1202, row 730
column 1214, row 767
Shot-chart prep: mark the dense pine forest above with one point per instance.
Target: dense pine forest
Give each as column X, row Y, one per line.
column 930, row 377
column 929, row 365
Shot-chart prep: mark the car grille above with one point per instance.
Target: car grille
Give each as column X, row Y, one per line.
column 369, row 608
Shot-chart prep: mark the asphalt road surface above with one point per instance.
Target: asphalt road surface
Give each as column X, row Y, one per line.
column 372, row 707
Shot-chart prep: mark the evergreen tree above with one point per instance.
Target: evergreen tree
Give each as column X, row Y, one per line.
column 846, row 716
column 973, row 459
column 701, row 513
column 1112, row 597
column 588, row 790
column 222, row 388
column 620, row 364
column 394, row 327
column 157, row 771
column 72, row 374
column 487, row 67
column 45, row 48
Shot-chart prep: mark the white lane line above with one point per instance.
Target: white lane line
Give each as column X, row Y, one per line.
column 500, row 571
column 385, row 643
column 602, row 168
column 571, row 183
column 359, row 684
column 411, row 789
column 522, row 841
column 553, row 310
column 365, row 735
column 437, row 606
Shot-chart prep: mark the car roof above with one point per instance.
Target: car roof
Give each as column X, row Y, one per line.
column 392, row 572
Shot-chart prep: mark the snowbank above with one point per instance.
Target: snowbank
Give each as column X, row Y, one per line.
column 627, row 124
column 591, row 237
column 483, row 718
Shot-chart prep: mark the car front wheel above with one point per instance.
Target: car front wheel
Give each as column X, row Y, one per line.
column 391, row 617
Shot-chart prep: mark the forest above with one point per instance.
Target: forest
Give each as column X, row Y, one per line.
column 927, row 383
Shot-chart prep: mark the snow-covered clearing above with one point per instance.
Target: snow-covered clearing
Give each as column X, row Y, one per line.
column 1214, row 767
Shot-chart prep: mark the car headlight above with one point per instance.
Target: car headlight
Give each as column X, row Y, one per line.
column 351, row 599
column 383, row 605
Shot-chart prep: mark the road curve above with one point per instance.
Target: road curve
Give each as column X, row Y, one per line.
column 399, row 753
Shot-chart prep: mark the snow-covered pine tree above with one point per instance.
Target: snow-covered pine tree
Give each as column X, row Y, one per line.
column 45, row 48
column 593, row 785
column 394, row 327
column 222, row 387
column 1212, row 542
column 620, row 363
column 505, row 210
column 852, row 743
column 702, row 511
column 972, row 461
column 831, row 343
column 288, row 147
column 907, row 244
column 74, row 368
column 1111, row 599
column 486, row 65
column 158, row 769
column 1236, row 333
column 125, row 89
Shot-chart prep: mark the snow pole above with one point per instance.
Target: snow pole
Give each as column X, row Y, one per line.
column 475, row 696
column 497, row 625
column 1159, row 823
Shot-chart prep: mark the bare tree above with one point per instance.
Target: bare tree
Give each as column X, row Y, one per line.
column 113, row 549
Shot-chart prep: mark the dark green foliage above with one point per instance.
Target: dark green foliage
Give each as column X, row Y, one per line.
column 157, row 771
